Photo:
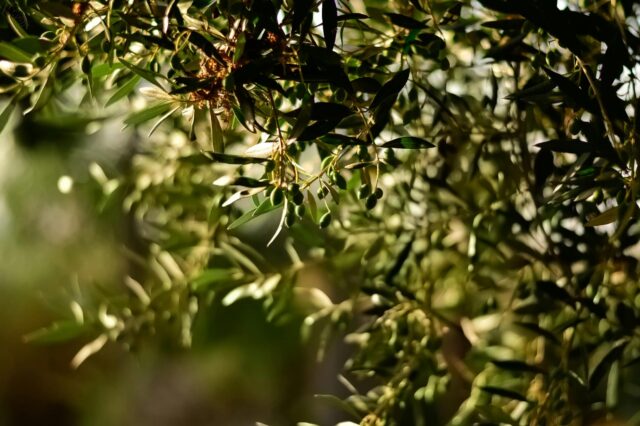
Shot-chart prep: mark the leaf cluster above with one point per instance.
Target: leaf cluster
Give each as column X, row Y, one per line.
column 464, row 172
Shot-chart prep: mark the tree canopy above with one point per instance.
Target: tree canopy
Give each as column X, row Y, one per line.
column 464, row 172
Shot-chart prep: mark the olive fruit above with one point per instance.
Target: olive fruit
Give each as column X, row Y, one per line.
column 364, row 191
column 371, row 202
column 325, row 220
column 276, row 196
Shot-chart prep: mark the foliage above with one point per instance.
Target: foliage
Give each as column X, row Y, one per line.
column 464, row 171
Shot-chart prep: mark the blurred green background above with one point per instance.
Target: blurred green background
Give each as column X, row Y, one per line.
column 56, row 247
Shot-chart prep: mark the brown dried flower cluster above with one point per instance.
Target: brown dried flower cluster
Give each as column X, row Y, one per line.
column 79, row 8
column 215, row 92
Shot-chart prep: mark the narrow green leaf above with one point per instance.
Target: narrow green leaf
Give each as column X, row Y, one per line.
column 577, row 378
column 198, row 159
column 15, row 26
column 234, row 159
column 511, row 24
column 250, row 182
column 206, row 46
column 374, row 248
column 552, row 290
column 495, row 414
column 147, row 114
column 604, row 218
column 517, row 365
column 317, row 129
column 151, row 77
column 126, row 88
column 329, row 111
column 32, row 45
column 603, row 357
column 567, row 145
column 302, row 120
column 366, row 85
column 235, row 254
column 240, row 43
column 405, row 21
column 343, row 406
column 57, row 10
column 341, row 140
column 42, row 94
column 535, row 328
column 531, row 92
column 264, row 207
column 506, row 393
column 391, row 88
column 57, row 332
column 217, row 140
column 400, row 260
column 382, row 115
column 12, row 53
column 246, row 217
column 242, row 292
column 408, row 142
column 247, row 109
column 6, row 115
column 283, row 217
column 313, row 206
column 574, row 94
column 162, row 119
column 104, row 69
column 356, row 16
column 629, row 213
column 613, row 386
column 534, row 306
column 213, row 276
column 301, row 10
column 329, row 22
column 359, row 165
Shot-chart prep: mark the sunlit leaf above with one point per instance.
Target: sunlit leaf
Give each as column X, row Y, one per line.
column 5, row 115
column 604, row 218
column 146, row 74
column 148, row 113
column 124, row 90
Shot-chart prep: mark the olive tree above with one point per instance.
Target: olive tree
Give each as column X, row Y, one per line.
column 463, row 171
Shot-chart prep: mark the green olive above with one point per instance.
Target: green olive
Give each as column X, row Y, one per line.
column 371, row 202
column 86, row 65
column 276, row 196
column 325, row 220
column 364, row 191
column 341, row 182
column 297, row 198
column 290, row 219
column 322, row 192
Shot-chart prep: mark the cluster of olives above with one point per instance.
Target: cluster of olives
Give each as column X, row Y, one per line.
column 371, row 198
column 295, row 198
column 295, row 205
